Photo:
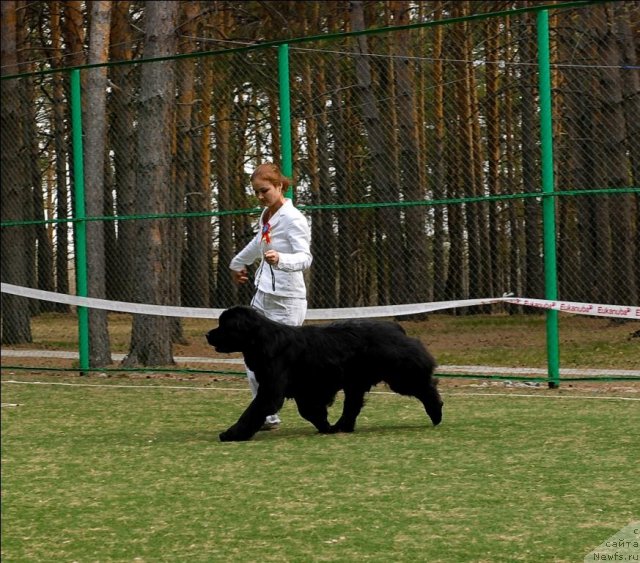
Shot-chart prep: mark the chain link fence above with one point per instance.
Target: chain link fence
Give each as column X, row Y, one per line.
column 416, row 158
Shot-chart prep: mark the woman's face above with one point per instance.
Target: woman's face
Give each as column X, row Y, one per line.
column 268, row 194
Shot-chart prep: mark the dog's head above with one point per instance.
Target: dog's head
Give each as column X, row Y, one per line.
column 237, row 330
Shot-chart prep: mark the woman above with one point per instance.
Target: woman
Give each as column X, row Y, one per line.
column 282, row 244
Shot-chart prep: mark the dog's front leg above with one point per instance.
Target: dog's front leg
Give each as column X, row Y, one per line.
column 248, row 424
column 269, row 400
column 235, row 434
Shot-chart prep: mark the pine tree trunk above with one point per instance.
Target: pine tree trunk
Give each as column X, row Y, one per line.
column 323, row 272
column 122, row 259
column 224, row 285
column 151, row 335
column 617, row 229
column 389, row 226
column 95, row 129
column 631, row 108
column 196, row 271
column 458, row 145
column 339, row 116
column 16, row 328
column 60, row 150
column 533, row 280
column 416, row 275
column 494, row 265
column 439, row 170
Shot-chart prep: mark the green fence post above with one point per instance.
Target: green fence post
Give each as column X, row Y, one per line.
column 548, row 200
column 285, row 114
column 80, row 224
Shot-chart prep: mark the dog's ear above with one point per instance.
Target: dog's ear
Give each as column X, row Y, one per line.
column 242, row 324
column 244, row 319
column 254, row 326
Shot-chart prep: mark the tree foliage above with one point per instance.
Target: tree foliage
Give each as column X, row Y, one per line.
column 413, row 120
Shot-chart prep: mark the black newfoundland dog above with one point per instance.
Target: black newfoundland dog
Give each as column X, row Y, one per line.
column 311, row 363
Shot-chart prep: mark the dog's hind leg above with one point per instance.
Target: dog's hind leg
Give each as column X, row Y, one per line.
column 315, row 413
column 424, row 389
column 353, row 403
column 432, row 402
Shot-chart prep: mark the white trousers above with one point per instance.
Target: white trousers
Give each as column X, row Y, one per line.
column 287, row 310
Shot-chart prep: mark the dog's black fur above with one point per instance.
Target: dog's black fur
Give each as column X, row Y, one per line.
column 312, row 363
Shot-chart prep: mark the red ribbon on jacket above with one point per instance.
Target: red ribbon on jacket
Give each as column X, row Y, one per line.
column 266, row 229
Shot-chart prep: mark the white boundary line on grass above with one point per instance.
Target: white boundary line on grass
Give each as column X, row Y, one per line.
column 455, row 369
column 187, row 388
column 541, row 396
column 119, row 386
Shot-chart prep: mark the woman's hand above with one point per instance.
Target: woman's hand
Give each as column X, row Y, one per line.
column 272, row 257
column 240, row 276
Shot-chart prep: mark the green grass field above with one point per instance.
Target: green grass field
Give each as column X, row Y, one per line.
column 131, row 470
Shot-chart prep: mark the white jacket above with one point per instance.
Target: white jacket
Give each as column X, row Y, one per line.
column 290, row 236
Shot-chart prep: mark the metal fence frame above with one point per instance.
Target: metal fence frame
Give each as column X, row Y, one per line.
column 547, row 193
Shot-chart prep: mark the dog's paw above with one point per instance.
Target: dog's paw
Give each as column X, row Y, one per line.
column 434, row 409
column 346, row 428
column 231, row 436
column 435, row 414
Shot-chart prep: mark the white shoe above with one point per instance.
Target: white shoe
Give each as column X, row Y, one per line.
column 272, row 422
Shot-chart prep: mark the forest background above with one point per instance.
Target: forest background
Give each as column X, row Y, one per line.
column 416, row 152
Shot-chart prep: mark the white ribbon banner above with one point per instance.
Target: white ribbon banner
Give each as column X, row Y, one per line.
column 593, row 309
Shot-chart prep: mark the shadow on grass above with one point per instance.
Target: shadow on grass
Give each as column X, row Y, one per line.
column 284, row 433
